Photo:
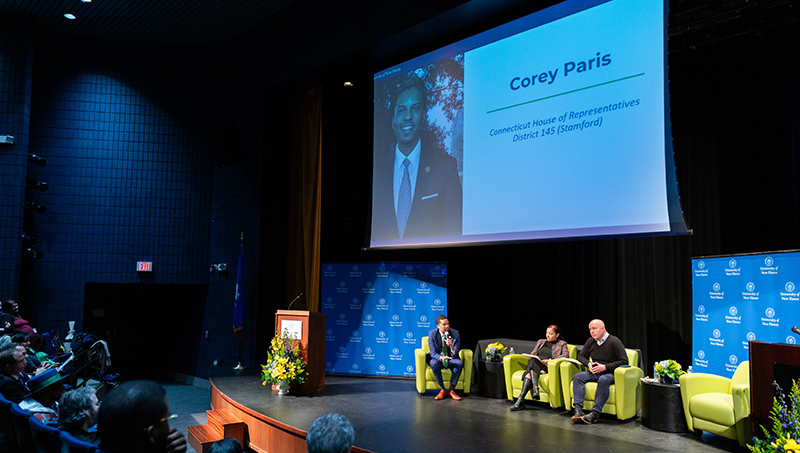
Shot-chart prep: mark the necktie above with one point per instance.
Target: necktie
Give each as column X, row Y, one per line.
column 404, row 200
column 445, row 351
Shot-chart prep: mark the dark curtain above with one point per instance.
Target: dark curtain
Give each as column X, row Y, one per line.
column 305, row 200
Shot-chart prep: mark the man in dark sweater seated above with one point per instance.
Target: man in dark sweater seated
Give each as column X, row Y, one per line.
column 607, row 353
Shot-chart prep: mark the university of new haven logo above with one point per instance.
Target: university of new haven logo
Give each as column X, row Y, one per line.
column 701, row 265
column 750, row 287
column 732, row 263
column 438, row 305
column 716, row 287
column 790, row 340
column 342, row 321
column 789, row 287
column 731, row 317
column 769, row 261
column 751, row 336
column 395, row 355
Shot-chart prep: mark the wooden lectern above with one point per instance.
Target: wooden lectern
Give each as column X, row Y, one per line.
column 310, row 328
column 770, row 362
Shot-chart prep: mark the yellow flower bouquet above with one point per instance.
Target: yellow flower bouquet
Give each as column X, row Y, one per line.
column 284, row 362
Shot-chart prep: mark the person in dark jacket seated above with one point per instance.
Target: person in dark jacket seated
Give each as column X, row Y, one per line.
column 607, row 354
column 134, row 418
column 77, row 414
column 550, row 347
column 13, row 380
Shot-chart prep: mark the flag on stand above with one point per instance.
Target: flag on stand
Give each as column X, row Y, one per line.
column 238, row 302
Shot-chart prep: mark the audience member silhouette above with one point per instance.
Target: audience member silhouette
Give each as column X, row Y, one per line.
column 331, row 433
column 77, row 414
column 134, row 417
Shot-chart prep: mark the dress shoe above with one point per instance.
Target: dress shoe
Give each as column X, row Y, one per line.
column 577, row 414
column 454, row 395
column 440, row 395
column 591, row 417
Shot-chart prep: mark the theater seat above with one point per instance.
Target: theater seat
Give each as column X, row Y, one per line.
column 550, row 391
column 624, row 399
column 73, row 445
column 45, row 438
column 19, row 419
column 717, row 404
column 425, row 377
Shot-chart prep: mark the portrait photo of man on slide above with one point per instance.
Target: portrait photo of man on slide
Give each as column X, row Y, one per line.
column 417, row 190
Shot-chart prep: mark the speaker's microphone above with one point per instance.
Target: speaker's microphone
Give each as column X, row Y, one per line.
column 294, row 300
column 796, row 330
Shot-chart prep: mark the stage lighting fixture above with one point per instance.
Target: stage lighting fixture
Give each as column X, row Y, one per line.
column 33, row 206
column 34, row 159
column 36, row 184
column 28, row 240
column 31, row 253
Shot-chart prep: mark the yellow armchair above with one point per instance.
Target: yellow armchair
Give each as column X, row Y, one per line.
column 427, row 381
column 624, row 399
column 717, row 404
column 514, row 367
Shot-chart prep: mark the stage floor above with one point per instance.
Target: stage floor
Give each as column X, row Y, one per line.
column 390, row 416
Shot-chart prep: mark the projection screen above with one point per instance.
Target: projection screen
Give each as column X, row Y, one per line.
column 551, row 127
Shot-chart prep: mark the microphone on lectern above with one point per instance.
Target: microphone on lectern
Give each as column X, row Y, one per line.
column 294, row 300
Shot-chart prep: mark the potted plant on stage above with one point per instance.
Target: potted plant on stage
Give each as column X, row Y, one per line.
column 284, row 363
column 494, row 352
column 669, row 371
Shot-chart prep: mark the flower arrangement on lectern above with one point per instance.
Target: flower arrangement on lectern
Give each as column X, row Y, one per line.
column 284, row 362
column 785, row 417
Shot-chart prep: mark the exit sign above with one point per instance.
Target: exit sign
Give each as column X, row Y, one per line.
column 144, row 266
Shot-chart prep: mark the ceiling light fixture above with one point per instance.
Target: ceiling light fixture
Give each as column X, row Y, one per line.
column 348, row 84
column 69, row 16
column 86, row 1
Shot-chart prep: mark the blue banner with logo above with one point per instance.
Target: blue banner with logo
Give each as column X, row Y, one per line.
column 378, row 314
column 742, row 298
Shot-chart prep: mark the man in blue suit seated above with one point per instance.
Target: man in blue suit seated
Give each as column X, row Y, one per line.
column 445, row 344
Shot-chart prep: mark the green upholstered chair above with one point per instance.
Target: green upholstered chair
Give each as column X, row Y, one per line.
column 717, row 404
column 427, row 381
column 624, row 399
column 514, row 367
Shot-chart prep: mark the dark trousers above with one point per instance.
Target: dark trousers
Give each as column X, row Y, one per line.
column 604, row 381
column 535, row 368
column 455, row 366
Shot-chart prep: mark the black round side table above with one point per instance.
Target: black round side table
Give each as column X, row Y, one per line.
column 662, row 408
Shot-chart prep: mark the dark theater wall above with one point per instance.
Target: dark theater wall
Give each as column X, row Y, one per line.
column 15, row 103
column 129, row 134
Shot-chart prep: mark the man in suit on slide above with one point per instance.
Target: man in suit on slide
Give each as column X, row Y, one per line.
column 417, row 188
